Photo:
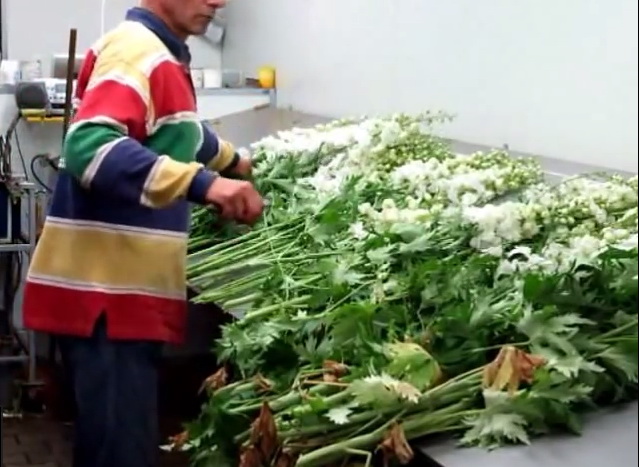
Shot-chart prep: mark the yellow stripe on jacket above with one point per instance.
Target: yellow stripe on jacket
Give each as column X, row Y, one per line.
column 129, row 54
column 110, row 258
column 166, row 178
column 224, row 156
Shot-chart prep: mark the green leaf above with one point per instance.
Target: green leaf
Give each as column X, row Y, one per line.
column 623, row 358
column 493, row 429
column 537, row 286
column 344, row 274
column 418, row 245
column 380, row 255
column 411, row 363
column 372, row 393
column 565, row 393
column 570, row 364
column 538, row 325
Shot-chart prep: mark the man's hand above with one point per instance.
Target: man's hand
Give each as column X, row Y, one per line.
column 244, row 166
column 236, row 199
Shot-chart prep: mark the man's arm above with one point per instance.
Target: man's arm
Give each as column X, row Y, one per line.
column 220, row 155
column 103, row 151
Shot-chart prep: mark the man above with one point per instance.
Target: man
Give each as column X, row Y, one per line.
column 108, row 274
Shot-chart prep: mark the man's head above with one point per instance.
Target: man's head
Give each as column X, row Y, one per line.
column 185, row 17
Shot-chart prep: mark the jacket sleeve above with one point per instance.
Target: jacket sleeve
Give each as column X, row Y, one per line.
column 215, row 153
column 103, row 150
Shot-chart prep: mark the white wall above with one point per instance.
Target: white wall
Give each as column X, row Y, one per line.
column 41, row 28
column 554, row 78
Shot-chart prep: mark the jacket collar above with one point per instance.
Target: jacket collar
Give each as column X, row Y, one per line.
column 152, row 22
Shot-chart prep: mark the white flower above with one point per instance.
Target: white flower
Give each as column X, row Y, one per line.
column 339, row 415
column 629, row 243
column 358, row 231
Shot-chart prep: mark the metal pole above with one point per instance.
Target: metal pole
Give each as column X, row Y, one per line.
column 33, row 233
column 68, row 101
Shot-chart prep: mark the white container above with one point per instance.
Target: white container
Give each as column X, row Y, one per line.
column 32, row 69
column 197, row 76
column 212, row 78
column 10, row 72
column 233, row 79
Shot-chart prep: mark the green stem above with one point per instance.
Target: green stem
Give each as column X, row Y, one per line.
column 327, row 454
column 242, row 267
column 431, row 404
column 287, row 226
column 420, row 424
column 277, row 405
column 619, row 330
column 285, row 401
column 244, row 280
column 499, row 346
column 330, row 401
column 225, row 259
column 340, row 302
column 267, row 310
column 443, row 420
column 235, row 388
column 241, row 301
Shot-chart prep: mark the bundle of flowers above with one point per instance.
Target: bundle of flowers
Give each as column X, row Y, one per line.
column 395, row 289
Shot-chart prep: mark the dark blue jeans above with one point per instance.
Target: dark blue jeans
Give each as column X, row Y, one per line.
column 116, row 391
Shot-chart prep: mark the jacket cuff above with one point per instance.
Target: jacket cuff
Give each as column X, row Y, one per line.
column 200, row 185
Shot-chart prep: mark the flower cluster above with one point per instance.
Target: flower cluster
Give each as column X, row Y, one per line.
column 465, row 180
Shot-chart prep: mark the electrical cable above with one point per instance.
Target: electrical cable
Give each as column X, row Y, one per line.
column 19, row 148
column 34, row 173
column 34, row 160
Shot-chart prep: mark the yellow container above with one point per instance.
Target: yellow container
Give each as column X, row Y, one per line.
column 266, row 77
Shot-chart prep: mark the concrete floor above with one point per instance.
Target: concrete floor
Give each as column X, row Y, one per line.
column 40, row 442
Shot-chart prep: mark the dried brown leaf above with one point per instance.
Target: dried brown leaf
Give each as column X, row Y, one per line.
column 286, row 459
column 395, row 446
column 333, row 371
column 179, row 440
column 511, row 367
column 330, row 378
column 263, row 384
column 216, row 381
column 528, row 364
column 336, row 368
column 264, row 433
column 250, row 457
column 490, row 370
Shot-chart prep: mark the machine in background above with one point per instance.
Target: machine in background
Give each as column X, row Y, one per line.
column 38, row 99
column 17, row 242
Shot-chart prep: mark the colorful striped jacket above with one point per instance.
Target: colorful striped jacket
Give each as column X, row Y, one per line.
column 136, row 154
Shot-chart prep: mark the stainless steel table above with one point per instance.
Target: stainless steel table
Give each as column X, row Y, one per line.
column 245, row 128
column 609, row 437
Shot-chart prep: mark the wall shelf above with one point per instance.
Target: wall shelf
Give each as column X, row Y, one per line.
column 40, row 116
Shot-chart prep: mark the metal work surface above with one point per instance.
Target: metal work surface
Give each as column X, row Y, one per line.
column 245, row 128
column 609, row 439
column 609, row 436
